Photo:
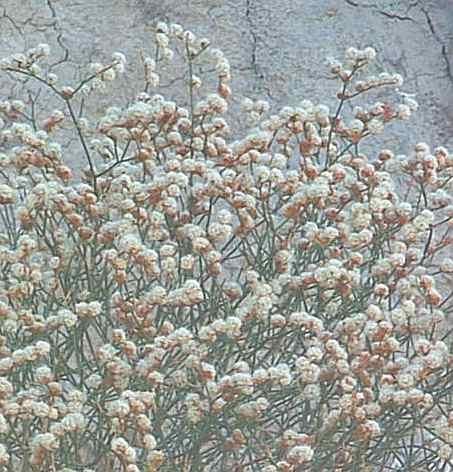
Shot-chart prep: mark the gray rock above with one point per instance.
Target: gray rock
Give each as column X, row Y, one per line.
column 276, row 48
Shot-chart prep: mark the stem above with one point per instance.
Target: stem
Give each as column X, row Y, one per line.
column 84, row 145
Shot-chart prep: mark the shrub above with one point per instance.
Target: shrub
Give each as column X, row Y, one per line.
column 278, row 302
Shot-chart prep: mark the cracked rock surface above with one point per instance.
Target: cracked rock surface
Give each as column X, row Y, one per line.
column 276, row 48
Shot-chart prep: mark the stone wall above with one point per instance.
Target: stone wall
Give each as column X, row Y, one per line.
column 276, row 47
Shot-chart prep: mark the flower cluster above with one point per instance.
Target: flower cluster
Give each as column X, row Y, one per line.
column 275, row 302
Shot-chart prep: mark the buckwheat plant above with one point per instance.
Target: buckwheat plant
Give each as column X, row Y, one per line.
column 192, row 302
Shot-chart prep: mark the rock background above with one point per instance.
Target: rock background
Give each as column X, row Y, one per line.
column 276, row 48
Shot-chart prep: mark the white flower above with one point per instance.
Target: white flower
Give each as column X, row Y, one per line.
column 311, row 392
column 300, row 454
column 149, row 441
column 4, row 456
column 444, row 452
column 42, row 348
column 119, row 57
column 88, row 310
column 406, row 381
column 356, row 126
column 404, row 112
column 308, row 372
column 45, row 441
column 369, row 53
column 74, row 422
column 7, row 194
column 109, row 75
column 43, row 49
column 371, row 428
column 280, row 374
column 119, row 445
column 4, row 426
column 398, row 80
column 351, row 54
column 375, row 126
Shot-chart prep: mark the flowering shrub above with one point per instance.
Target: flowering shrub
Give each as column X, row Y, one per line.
column 277, row 302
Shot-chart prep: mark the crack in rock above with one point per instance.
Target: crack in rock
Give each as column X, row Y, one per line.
column 373, row 6
column 255, row 66
column 52, row 9
column 395, row 16
column 439, row 40
column 248, row 13
column 12, row 22
column 59, row 36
